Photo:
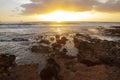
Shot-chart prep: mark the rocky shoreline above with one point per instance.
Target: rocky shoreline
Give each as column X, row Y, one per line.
column 88, row 58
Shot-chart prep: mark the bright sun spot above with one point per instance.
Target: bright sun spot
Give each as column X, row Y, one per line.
column 60, row 16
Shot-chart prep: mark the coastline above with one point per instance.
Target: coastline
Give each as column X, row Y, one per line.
column 94, row 59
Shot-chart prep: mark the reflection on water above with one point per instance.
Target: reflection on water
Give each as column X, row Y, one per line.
column 59, row 29
column 93, row 30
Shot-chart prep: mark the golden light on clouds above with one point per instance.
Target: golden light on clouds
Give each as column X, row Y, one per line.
column 61, row 16
column 76, row 10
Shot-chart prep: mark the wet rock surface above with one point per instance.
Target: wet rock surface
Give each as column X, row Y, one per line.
column 113, row 31
column 7, row 63
column 50, row 45
column 44, row 41
column 95, row 51
column 19, row 39
column 40, row 49
column 42, row 46
column 50, row 71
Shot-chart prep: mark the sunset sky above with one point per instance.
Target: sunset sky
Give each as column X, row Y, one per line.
column 59, row 10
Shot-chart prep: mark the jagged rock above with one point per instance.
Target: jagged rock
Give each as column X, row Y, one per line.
column 40, row 49
column 85, row 36
column 64, row 50
column 39, row 38
column 112, row 31
column 62, row 40
column 97, row 52
column 78, row 34
column 57, row 36
column 19, row 39
column 5, row 40
column 56, row 46
column 52, row 38
column 45, row 42
column 51, row 70
column 7, row 62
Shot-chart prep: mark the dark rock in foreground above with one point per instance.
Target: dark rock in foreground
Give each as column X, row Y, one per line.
column 7, row 62
column 51, row 70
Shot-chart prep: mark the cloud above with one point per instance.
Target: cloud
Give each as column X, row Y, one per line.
column 44, row 6
column 109, row 6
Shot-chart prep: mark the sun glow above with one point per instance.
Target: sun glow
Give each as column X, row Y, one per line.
column 61, row 16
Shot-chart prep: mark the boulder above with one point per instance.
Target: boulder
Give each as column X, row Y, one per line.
column 50, row 71
column 57, row 36
column 45, row 41
column 7, row 62
column 56, row 46
column 40, row 49
column 52, row 38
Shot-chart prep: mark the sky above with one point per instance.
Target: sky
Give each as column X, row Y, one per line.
column 43, row 10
